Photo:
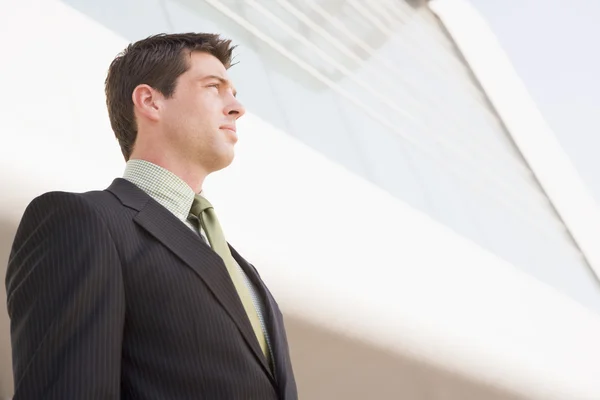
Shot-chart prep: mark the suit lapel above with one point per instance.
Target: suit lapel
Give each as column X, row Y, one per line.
column 275, row 329
column 193, row 251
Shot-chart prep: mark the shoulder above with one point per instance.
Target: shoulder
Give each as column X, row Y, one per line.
column 67, row 203
column 58, row 209
column 93, row 202
column 62, row 234
column 52, row 204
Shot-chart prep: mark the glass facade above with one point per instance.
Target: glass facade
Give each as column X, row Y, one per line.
column 379, row 88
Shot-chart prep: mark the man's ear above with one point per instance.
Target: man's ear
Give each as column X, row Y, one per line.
column 147, row 102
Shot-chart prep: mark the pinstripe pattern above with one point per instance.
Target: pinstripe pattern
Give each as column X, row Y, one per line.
column 175, row 195
column 111, row 297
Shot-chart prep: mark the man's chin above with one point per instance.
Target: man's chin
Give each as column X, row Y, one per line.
column 224, row 161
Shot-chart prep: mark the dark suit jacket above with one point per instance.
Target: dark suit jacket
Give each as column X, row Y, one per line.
column 112, row 297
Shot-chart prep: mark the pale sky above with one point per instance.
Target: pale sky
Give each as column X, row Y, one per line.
column 553, row 45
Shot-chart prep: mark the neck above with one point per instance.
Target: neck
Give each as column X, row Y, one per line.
column 191, row 174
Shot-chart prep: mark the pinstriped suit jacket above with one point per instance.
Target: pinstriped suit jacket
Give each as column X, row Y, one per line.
column 112, row 297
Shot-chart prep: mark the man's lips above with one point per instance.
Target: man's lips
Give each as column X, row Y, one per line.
column 229, row 127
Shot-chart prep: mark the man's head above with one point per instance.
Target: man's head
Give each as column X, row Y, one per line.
column 169, row 97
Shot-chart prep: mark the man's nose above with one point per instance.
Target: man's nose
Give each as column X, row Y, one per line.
column 235, row 108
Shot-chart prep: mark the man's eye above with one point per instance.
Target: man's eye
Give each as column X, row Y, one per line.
column 215, row 85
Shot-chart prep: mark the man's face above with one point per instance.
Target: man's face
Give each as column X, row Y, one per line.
column 200, row 117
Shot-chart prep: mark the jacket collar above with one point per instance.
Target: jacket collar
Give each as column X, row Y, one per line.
column 193, row 251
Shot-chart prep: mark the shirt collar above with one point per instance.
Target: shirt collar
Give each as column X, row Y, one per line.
column 162, row 185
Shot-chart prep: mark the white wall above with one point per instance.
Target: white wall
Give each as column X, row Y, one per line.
column 414, row 290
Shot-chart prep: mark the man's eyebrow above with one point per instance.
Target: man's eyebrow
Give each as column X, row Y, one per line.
column 223, row 81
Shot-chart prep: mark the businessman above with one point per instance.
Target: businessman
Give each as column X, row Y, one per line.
column 133, row 292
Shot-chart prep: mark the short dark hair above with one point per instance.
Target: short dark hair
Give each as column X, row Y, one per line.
column 156, row 61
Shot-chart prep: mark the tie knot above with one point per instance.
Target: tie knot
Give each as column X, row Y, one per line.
column 200, row 205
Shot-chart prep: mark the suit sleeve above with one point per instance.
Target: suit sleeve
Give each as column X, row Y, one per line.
column 66, row 302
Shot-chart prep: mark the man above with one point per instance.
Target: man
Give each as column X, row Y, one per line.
column 132, row 292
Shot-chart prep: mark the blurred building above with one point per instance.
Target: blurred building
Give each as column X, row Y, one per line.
column 446, row 262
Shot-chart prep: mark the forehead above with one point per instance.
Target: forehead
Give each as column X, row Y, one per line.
column 202, row 64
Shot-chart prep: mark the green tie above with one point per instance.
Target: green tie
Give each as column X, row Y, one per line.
column 205, row 212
